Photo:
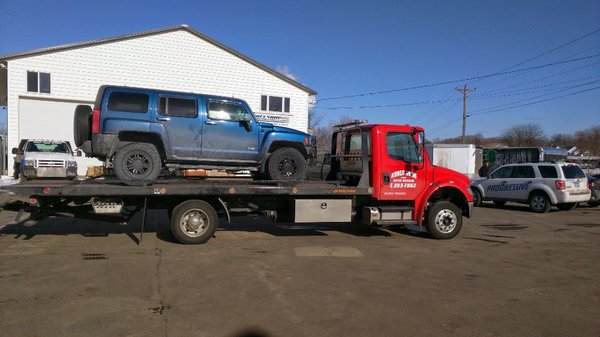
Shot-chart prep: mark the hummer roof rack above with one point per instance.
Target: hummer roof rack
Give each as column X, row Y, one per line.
column 350, row 123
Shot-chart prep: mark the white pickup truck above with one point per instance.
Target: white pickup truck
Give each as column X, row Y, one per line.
column 39, row 158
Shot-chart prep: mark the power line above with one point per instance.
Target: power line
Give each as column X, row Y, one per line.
column 456, row 81
column 483, row 95
column 551, row 50
column 452, row 121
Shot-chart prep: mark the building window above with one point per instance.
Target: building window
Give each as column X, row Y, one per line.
column 38, row 82
column 274, row 103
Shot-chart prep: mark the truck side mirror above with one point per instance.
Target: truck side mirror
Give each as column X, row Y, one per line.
column 15, row 150
column 247, row 121
column 78, row 153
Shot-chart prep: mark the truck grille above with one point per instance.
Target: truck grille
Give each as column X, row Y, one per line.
column 50, row 163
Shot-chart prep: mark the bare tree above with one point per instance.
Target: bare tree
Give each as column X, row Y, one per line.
column 562, row 139
column 528, row 134
column 588, row 140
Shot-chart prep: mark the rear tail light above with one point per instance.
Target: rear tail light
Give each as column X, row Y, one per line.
column 96, row 121
column 560, row 184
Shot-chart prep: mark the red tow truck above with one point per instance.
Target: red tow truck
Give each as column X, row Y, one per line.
column 378, row 174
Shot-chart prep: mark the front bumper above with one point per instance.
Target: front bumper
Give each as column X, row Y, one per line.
column 49, row 172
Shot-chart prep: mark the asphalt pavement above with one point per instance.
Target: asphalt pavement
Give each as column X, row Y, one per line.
column 510, row 272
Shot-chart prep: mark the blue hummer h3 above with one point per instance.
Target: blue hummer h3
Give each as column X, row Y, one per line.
column 140, row 131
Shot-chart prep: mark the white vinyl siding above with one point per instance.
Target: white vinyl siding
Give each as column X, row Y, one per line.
column 176, row 60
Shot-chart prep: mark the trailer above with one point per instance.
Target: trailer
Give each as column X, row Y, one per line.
column 379, row 174
column 463, row 158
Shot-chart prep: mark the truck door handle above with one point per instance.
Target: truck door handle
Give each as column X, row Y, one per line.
column 164, row 119
column 210, row 122
column 386, row 179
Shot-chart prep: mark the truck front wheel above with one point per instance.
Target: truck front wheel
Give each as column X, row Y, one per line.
column 286, row 163
column 443, row 220
column 194, row 221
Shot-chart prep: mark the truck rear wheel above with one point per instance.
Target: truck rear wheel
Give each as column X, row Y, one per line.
column 82, row 124
column 539, row 202
column 286, row 163
column 137, row 163
column 194, row 221
column 443, row 220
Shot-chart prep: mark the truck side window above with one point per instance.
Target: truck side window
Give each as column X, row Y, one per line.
column 503, row 172
column 226, row 111
column 523, row 172
column 401, row 146
column 548, row 171
column 181, row 107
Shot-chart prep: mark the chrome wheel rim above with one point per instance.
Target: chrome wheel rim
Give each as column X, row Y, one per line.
column 446, row 221
column 194, row 222
column 137, row 164
column 538, row 202
column 287, row 167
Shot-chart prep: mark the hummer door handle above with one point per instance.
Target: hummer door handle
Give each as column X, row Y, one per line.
column 164, row 119
column 210, row 122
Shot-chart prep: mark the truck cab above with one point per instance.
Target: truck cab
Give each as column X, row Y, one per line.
column 406, row 187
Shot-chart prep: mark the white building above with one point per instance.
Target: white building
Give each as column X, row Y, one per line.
column 42, row 87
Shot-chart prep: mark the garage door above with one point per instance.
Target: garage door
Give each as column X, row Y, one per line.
column 50, row 119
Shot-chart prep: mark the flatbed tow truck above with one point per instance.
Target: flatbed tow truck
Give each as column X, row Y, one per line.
column 391, row 183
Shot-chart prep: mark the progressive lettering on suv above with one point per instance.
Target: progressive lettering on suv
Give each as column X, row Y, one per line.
column 140, row 131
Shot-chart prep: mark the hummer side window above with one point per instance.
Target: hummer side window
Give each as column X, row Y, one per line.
column 128, row 102
column 226, row 111
column 402, row 146
column 181, row 107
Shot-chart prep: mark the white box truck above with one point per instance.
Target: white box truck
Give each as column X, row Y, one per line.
column 464, row 158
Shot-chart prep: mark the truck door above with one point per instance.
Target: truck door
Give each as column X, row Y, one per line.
column 404, row 175
column 230, row 132
column 181, row 122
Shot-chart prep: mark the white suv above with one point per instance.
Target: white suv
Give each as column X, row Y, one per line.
column 540, row 185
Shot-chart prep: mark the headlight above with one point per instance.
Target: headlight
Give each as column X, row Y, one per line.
column 71, row 163
column 30, row 162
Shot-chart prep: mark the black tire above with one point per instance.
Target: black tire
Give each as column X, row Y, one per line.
column 539, row 202
column 593, row 203
column 137, row 164
column 286, row 163
column 499, row 203
column 443, row 220
column 476, row 197
column 82, row 124
column 194, row 221
column 567, row 206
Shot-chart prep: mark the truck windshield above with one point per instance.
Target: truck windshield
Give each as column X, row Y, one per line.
column 48, row 147
column 402, row 146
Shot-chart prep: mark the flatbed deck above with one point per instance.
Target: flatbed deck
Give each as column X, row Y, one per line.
column 184, row 187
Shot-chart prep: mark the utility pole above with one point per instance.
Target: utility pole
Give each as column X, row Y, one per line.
column 465, row 91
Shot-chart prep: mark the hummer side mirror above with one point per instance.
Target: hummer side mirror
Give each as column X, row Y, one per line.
column 247, row 120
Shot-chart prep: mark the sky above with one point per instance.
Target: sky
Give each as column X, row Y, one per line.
column 399, row 61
